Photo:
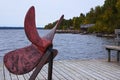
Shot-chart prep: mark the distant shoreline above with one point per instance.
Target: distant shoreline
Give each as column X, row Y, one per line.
column 17, row 28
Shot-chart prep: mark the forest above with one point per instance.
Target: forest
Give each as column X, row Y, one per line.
column 106, row 18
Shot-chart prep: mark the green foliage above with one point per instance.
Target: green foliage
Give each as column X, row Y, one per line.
column 106, row 18
column 65, row 24
column 76, row 23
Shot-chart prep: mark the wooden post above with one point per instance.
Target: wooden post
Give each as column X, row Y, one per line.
column 118, row 55
column 41, row 64
column 109, row 55
column 50, row 66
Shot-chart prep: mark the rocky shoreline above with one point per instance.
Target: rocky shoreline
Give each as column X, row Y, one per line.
column 68, row 31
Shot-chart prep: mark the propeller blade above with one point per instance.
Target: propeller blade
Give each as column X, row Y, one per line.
column 31, row 31
column 30, row 27
column 51, row 34
column 23, row 60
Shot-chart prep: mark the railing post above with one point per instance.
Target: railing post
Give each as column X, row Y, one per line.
column 109, row 55
column 118, row 55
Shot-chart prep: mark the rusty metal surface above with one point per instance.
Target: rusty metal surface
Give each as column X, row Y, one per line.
column 23, row 60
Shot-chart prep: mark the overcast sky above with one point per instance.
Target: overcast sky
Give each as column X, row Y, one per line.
column 12, row 12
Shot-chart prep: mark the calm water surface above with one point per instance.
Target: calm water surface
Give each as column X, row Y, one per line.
column 70, row 46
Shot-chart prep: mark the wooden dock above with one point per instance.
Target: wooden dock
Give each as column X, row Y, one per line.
column 74, row 70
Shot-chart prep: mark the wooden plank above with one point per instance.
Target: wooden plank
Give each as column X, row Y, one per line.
column 100, row 71
column 43, row 73
column 68, row 70
column 62, row 72
column 39, row 77
column 7, row 75
column 113, row 66
column 110, row 68
column 21, row 77
column 57, row 73
column 81, row 75
column 1, row 72
column 46, row 70
column 107, row 70
column 112, row 47
column 87, row 71
column 74, row 70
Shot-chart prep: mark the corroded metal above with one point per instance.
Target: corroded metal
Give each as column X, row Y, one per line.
column 23, row 60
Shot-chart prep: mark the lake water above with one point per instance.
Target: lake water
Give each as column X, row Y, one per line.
column 70, row 46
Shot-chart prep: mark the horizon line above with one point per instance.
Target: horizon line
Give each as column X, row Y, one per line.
column 6, row 27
